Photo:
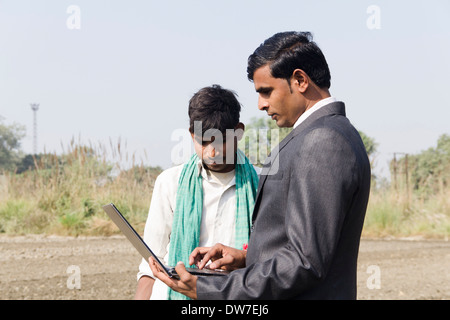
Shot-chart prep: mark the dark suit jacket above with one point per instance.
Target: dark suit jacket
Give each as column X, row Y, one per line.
column 308, row 216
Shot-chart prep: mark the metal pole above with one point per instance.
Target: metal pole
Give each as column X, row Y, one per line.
column 35, row 108
column 406, row 177
column 395, row 173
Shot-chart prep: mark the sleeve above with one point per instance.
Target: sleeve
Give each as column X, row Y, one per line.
column 160, row 216
column 320, row 181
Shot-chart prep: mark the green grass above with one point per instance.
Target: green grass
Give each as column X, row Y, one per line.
column 18, row 216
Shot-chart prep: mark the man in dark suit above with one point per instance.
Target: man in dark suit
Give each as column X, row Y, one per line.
column 312, row 194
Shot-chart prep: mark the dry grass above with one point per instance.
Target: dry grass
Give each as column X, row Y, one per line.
column 402, row 213
column 64, row 194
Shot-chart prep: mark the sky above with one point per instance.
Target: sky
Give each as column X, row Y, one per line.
column 124, row 71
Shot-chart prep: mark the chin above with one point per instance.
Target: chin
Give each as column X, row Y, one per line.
column 284, row 124
column 280, row 124
column 219, row 167
column 216, row 167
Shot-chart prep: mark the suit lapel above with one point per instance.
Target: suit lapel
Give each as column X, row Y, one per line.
column 270, row 160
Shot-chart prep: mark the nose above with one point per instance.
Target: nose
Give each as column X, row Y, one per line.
column 211, row 151
column 263, row 104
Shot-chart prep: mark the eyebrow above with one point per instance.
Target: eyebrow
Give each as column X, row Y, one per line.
column 264, row 89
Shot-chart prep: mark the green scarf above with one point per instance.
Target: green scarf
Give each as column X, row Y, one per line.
column 189, row 206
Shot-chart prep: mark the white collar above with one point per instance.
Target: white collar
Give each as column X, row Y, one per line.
column 315, row 107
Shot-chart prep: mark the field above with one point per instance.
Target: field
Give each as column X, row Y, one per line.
column 53, row 231
column 41, row 267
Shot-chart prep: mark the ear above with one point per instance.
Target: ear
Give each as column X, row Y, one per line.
column 300, row 80
column 192, row 136
column 239, row 130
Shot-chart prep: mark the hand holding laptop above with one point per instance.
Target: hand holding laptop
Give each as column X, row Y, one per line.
column 146, row 252
column 180, row 278
column 187, row 283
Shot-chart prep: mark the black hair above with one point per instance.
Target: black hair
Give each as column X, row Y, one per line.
column 287, row 51
column 216, row 108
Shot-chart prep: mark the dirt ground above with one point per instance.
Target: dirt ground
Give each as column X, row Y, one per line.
column 51, row 267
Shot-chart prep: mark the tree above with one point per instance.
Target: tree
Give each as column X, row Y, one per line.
column 27, row 163
column 10, row 136
column 370, row 144
column 429, row 171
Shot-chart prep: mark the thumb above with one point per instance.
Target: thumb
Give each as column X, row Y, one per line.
column 181, row 271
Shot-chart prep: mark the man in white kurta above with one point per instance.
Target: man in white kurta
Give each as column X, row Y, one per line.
column 218, row 217
column 213, row 106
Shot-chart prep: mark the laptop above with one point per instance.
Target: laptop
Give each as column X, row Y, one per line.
column 146, row 252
